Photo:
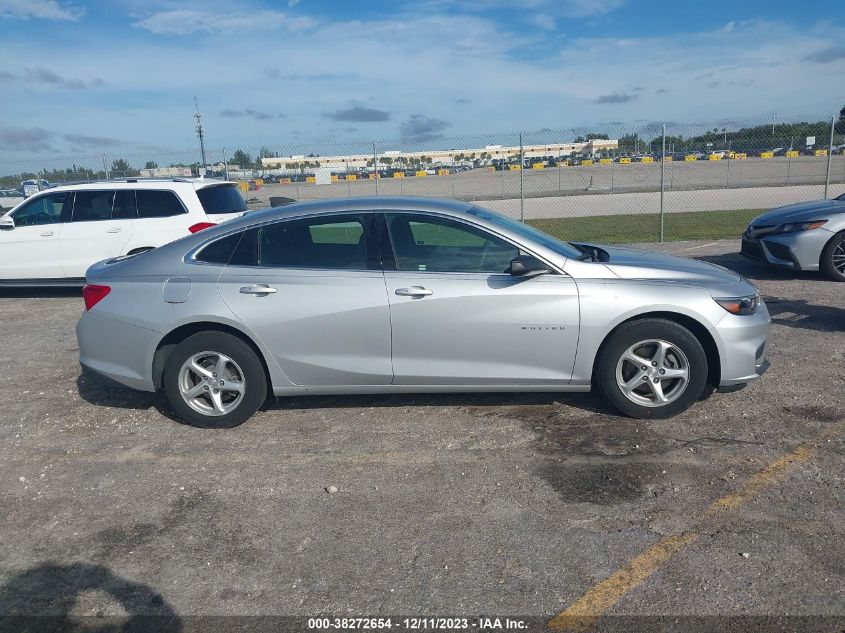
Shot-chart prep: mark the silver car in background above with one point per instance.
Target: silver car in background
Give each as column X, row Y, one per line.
column 804, row 236
column 405, row 295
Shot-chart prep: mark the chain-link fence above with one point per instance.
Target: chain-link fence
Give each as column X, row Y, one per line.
column 611, row 183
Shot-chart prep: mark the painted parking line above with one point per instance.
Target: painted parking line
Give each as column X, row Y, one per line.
column 584, row 612
column 692, row 248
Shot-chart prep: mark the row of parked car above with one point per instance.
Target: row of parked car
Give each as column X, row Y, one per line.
column 52, row 237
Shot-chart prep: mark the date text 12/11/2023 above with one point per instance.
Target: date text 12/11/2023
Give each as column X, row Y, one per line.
column 417, row 623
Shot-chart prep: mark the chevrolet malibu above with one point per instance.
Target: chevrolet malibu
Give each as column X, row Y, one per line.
column 404, row 295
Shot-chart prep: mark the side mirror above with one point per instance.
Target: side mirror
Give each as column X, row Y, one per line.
column 527, row 266
column 7, row 224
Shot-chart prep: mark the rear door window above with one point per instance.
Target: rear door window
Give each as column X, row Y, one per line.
column 219, row 199
column 123, row 207
column 158, row 204
column 329, row 242
column 91, row 206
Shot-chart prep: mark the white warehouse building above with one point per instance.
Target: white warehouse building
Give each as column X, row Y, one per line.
column 448, row 157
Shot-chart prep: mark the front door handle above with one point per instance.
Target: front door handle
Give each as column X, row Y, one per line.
column 414, row 291
column 257, row 289
column 46, row 233
column 116, row 229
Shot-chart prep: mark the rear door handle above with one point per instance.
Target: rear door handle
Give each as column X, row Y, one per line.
column 257, row 289
column 414, row 291
column 47, row 234
column 116, row 229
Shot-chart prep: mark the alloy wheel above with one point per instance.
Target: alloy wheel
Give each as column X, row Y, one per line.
column 211, row 383
column 653, row 373
column 838, row 258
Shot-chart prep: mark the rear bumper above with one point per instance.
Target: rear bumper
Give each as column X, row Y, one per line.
column 116, row 350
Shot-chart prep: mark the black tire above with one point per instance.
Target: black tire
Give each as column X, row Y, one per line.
column 836, row 245
column 647, row 329
column 254, row 379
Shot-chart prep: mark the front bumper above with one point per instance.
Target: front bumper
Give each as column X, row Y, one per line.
column 743, row 344
column 800, row 250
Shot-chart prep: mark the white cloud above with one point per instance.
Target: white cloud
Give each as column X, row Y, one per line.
column 186, row 21
column 421, row 63
column 43, row 9
column 586, row 8
column 542, row 21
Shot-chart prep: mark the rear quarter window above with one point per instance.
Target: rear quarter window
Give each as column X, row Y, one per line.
column 158, row 204
column 219, row 251
column 219, row 199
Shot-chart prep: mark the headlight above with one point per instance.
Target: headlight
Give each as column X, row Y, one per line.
column 739, row 305
column 800, row 226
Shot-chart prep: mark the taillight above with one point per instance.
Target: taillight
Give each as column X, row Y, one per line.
column 199, row 226
column 92, row 294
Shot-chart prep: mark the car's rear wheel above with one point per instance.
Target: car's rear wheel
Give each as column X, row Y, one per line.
column 214, row 379
column 833, row 257
column 652, row 368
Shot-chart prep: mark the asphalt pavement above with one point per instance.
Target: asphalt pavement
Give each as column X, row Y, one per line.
column 494, row 504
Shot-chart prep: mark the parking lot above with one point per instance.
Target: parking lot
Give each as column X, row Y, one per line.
column 481, row 184
column 542, row 506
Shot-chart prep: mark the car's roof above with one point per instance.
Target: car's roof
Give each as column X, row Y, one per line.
column 366, row 203
column 143, row 183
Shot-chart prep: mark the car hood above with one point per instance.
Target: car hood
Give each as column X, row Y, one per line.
column 800, row 212
column 634, row 263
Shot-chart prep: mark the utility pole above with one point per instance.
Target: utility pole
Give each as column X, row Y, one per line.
column 200, row 134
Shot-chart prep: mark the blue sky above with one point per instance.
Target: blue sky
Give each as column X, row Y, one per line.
column 120, row 76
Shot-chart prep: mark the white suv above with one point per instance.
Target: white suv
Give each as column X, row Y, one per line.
column 54, row 236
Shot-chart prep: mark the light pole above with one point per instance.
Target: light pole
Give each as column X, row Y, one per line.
column 200, row 134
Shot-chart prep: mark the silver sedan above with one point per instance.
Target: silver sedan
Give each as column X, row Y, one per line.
column 404, row 295
column 803, row 236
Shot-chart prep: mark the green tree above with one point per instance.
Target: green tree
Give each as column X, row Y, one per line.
column 839, row 126
column 630, row 143
column 241, row 159
column 120, row 168
column 151, row 164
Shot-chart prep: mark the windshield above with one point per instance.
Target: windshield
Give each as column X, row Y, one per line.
column 525, row 230
column 221, row 199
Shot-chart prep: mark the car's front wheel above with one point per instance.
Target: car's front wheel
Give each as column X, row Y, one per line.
column 214, row 379
column 833, row 257
column 652, row 368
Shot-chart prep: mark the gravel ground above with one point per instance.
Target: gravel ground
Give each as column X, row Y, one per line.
column 462, row 504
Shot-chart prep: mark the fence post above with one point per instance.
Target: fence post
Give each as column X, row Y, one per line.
column 375, row 166
column 829, row 156
column 105, row 169
column 662, row 180
column 225, row 164
column 521, row 180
